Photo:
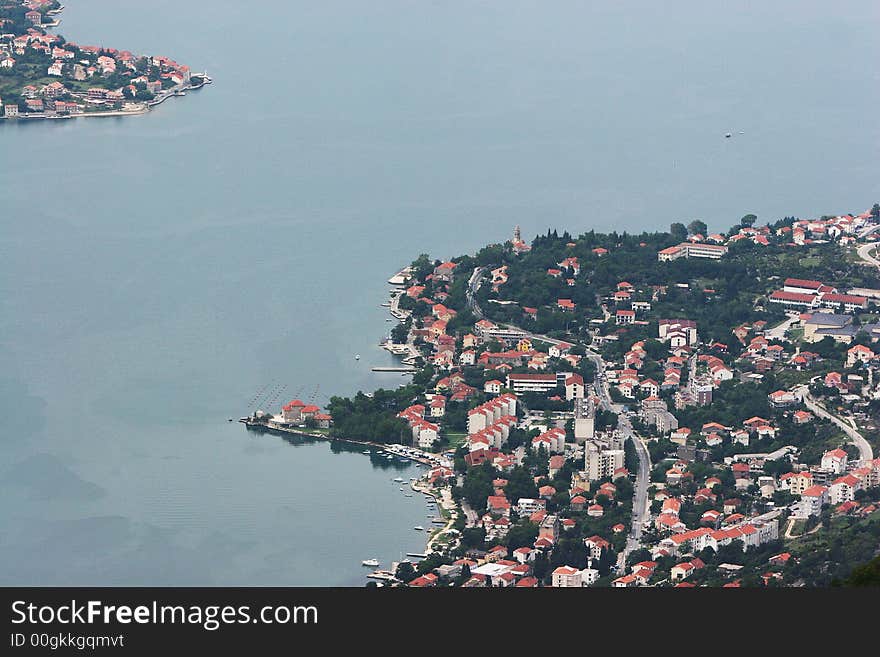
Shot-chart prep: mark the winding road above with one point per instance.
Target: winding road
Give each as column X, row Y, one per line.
column 866, row 453
column 864, row 252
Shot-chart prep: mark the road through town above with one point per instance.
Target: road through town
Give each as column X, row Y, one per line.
column 640, row 492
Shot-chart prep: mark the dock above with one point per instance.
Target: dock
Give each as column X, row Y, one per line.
column 384, row 575
column 410, row 454
column 418, row 555
column 403, row 370
column 401, row 277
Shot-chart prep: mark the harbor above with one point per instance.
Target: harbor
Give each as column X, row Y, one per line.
column 390, row 451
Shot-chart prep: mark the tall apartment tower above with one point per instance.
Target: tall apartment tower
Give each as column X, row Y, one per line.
column 584, row 420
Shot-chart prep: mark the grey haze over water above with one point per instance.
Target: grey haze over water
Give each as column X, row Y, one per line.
column 156, row 271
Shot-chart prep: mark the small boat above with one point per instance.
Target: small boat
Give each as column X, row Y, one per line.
column 401, row 488
column 419, row 528
column 728, row 136
column 366, row 451
column 408, row 494
column 357, row 357
column 370, row 562
column 398, row 479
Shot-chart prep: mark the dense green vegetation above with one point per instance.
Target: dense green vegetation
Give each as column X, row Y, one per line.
column 830, row 555
column 718, row 294
column 865, row 575
column 372, row 417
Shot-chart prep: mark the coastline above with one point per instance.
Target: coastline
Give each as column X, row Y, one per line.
column 144, row 108
column 417, row 484
column 444, row 502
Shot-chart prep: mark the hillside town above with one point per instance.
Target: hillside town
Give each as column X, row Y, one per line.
column 660, row 424
column 42, row 75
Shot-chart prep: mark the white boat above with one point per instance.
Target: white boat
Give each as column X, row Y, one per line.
column 419, row 528
column 398, row 479
column 357, row 357
column 370, row 562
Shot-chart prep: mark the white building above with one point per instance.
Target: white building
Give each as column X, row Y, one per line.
column 811, row 502
column 834, row 461
column 521, row 383
column 526, row 506
column 681, row 331
column 574, row 387
column 584, row 420
column 567, row 577
column 844, row 489
column 601, row 459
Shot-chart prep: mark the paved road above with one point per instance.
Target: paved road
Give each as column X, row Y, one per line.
column 866, row 453
column 640, row 493
column 447, row 503
column 869, row 230
column 473, row 285
column 864, row 252
column 640, row 510
column 778, row 331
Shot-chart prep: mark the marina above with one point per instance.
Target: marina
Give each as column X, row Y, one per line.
column 389, row 452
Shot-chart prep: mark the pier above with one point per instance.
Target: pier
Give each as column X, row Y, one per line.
column 407, row 453
column 401, row 277
column 404, row 370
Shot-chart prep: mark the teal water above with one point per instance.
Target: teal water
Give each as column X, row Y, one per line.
column 157, row 271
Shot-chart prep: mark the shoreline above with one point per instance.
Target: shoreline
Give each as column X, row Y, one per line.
column 142, row 109
column 416, row 484
column 261, row 427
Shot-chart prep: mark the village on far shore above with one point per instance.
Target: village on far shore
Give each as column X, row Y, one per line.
column 44, row 76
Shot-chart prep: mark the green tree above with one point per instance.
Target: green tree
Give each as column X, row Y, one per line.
column 678, row 231
column 867, row 574
column 697, row 227
column 520, row 484
column 405, row 572
column 748, row 220
column 522, row 535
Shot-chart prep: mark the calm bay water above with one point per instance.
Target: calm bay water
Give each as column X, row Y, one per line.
column 157, row 271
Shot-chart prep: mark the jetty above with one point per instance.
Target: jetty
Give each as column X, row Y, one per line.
column 403, row 369
column 390, row 450
column 384, row 575
column 401, row 277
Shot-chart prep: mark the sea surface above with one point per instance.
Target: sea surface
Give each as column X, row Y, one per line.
column 158, row 272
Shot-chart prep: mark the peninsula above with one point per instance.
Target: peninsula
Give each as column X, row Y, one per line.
column 44, row 76
column 678, row 408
